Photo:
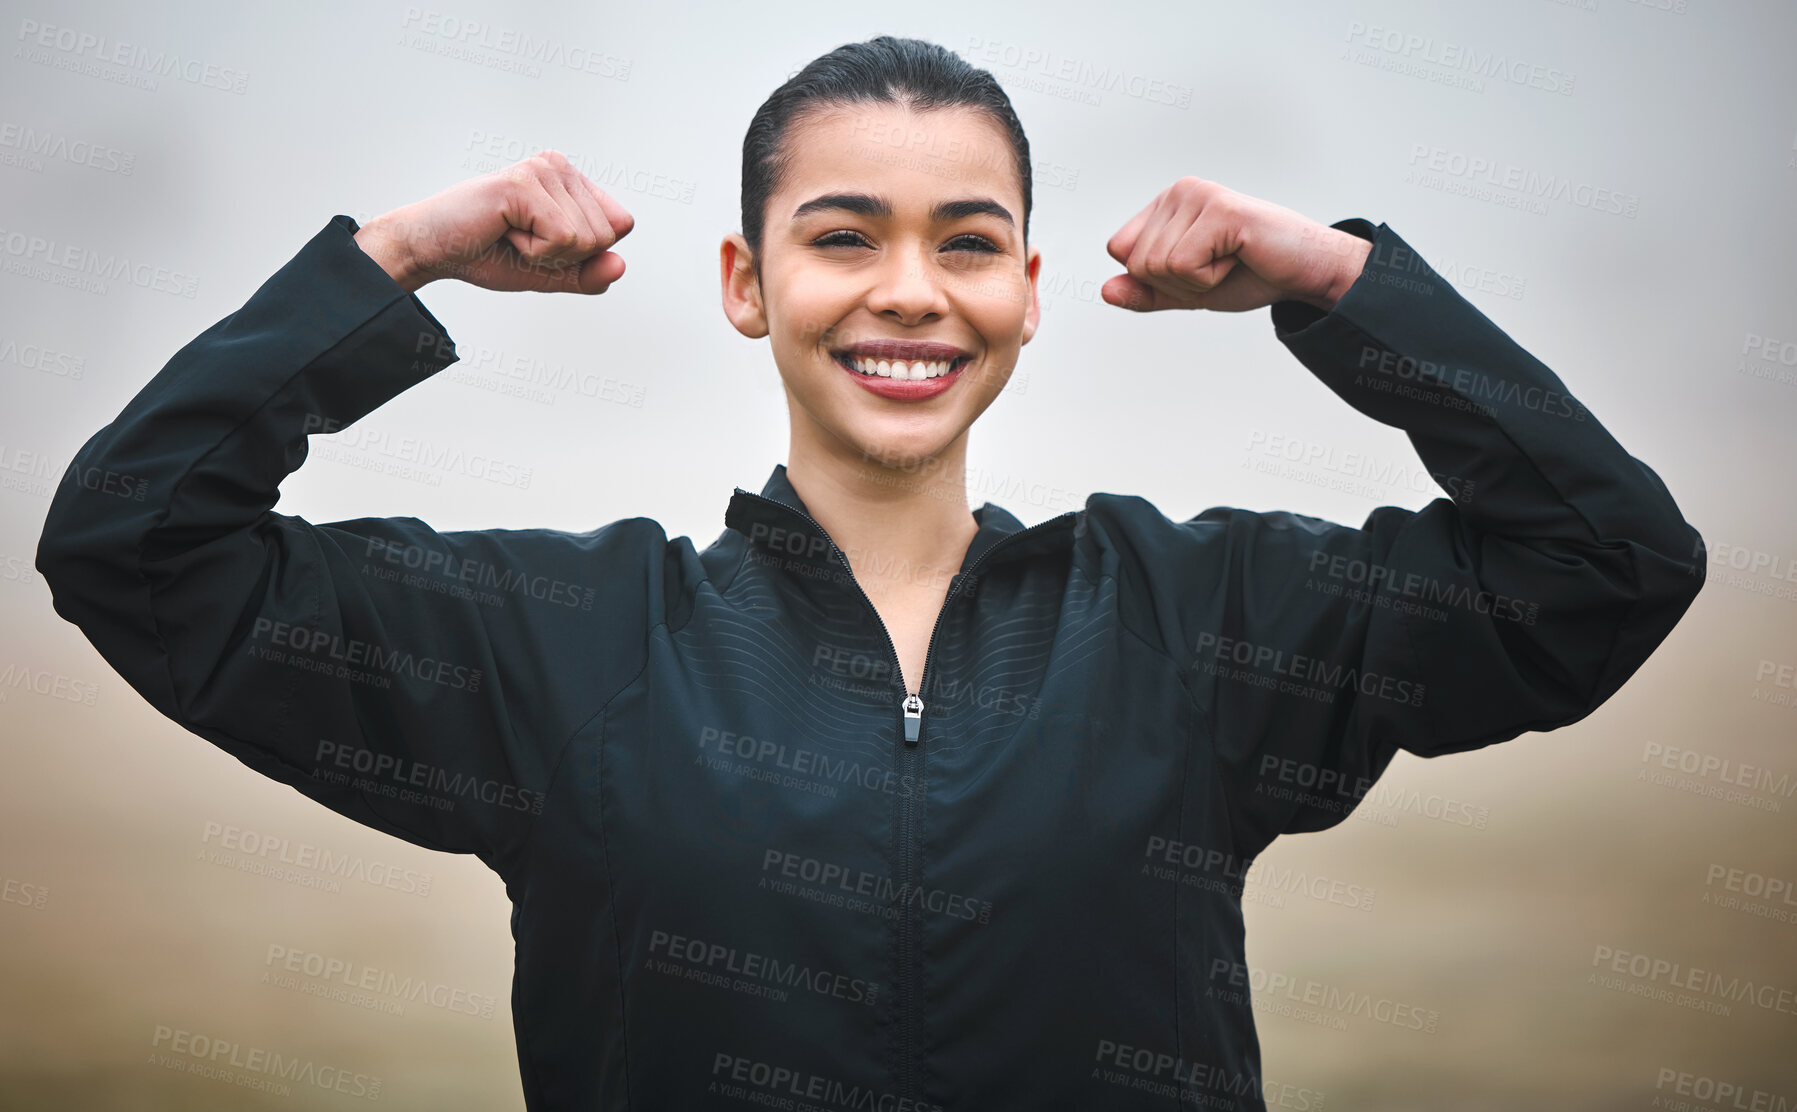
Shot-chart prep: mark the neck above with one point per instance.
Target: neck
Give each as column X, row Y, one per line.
column 906, row 526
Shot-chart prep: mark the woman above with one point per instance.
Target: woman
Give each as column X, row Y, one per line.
column 874, row 802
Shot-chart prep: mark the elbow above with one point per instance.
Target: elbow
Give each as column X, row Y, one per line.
column 1692, row 567
column 1667, row 554
column 1673, row 564
column 59, row 543
column 1666, row 541
column 89, row 541
column 1666, row 579
column 61, row 555
column 1662, row 578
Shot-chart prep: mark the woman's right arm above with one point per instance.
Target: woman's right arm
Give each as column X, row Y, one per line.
column 419, row 682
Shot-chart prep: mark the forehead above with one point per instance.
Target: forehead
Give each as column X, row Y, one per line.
column 912, row 157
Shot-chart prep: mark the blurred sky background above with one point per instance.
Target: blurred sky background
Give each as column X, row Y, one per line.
column 1674, row 321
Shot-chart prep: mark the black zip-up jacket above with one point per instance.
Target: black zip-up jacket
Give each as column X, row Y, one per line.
column 746, row 866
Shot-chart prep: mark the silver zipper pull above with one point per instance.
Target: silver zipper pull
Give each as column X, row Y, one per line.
column 913, row 705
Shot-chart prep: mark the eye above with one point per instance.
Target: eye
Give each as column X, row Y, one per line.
column 979, row 243
column 837, row 239
column 968, row 241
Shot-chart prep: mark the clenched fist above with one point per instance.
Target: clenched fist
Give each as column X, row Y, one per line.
column 1201, row 246
column 538, row 224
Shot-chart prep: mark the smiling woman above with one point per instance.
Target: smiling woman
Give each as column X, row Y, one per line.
column 895, row 300
column 876, row 801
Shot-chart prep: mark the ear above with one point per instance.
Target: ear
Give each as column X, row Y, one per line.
column 742, row 293
column 1033, row 315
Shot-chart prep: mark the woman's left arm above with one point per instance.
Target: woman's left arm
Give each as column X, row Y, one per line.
column 1520, row 603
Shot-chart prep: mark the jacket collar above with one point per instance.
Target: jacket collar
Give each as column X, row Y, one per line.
column 785, row 527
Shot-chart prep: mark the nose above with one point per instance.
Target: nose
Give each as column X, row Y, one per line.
column 908, row 287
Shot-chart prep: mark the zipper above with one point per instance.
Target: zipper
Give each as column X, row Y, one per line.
column 911, row 704
column 911, row 708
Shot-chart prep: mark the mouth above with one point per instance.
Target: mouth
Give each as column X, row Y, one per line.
column 899, row 370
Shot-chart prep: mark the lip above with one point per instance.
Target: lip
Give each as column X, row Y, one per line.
column 908, row 351
column 906, row 389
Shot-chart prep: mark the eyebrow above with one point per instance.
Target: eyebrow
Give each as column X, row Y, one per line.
column 868, row 204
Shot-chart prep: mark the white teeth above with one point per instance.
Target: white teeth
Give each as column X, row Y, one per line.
column 899, row 370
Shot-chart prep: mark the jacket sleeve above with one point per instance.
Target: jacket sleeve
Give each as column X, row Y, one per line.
column 1520, row 602
column 422, row 683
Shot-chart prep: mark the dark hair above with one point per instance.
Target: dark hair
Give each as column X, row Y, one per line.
column 883, row 70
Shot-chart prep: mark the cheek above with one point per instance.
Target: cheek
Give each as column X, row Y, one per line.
column 805, row 311
column 999, row 319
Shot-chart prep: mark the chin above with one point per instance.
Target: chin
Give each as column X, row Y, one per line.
column 900, row 453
